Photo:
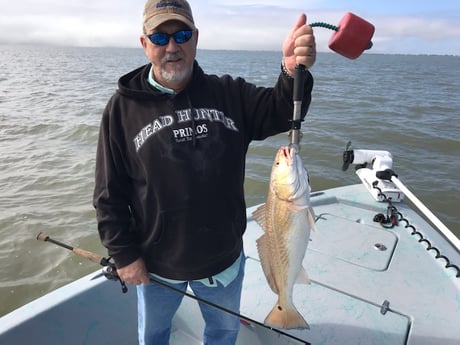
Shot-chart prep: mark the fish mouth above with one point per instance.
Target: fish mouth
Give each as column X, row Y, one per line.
column 287, row 153
column 297, row 179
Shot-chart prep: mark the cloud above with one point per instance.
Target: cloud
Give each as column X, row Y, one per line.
column 225, row 27
column 66, row 30
column 224, row 24
column 417, row 35
column 83, row 23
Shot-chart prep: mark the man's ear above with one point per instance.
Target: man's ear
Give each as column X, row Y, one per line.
column 143, row 41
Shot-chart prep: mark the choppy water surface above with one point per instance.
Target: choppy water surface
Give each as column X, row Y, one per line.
column 51, row 100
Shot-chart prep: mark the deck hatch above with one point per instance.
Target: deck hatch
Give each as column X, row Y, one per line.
column 356, row 243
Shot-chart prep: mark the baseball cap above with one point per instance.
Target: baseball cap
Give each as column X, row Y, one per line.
column 157, row 12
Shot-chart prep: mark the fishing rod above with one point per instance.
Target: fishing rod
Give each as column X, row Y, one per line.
column 108, row 268
column 110, row 272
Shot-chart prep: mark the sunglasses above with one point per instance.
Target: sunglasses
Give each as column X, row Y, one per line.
column 162, row 39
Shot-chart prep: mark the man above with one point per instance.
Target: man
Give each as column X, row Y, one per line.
column 170, row 170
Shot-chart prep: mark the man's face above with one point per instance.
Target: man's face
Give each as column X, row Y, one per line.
column 172, row 62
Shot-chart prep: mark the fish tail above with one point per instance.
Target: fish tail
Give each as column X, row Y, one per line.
column 287, row 318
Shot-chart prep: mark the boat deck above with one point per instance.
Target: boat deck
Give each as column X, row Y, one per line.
column 370, row 285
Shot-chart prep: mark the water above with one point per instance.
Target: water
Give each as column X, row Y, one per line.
column 51, row 100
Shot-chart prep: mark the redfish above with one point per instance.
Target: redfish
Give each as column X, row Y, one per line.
column 287, row 219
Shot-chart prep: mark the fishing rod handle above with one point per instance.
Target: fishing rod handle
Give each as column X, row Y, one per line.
column 81, row 252
column 109, row 270
column 42, row 237
column 88, row 255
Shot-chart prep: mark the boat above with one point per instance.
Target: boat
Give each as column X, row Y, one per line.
column 383, row 271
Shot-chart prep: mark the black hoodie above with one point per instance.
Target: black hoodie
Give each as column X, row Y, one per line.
column 170, row 169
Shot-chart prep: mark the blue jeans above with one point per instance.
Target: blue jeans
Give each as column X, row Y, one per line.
column 157, row 306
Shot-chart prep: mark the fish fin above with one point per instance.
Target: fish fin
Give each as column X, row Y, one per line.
column 302, row 277
column 287, row 318
column 311, row 218
column 259, row 216
column 264, row 255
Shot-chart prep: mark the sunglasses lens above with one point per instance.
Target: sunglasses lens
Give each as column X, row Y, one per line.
column 162, row 39
column 159, row 38
column 182, row 36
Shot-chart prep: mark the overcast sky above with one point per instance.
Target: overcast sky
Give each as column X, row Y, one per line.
column 403, row 26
